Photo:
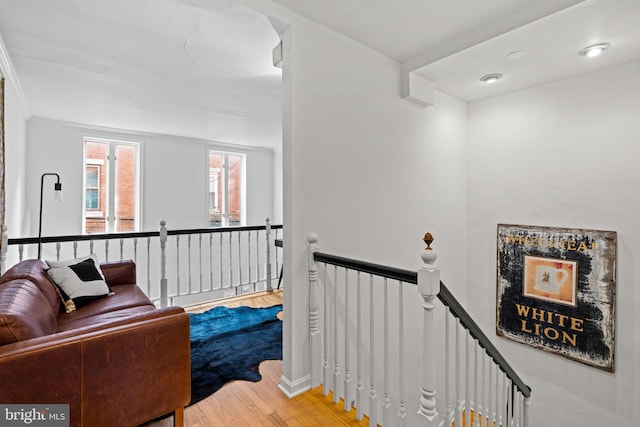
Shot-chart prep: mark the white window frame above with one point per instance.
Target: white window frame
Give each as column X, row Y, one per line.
column 111, row 171
column 225, row 186
column 99, row 164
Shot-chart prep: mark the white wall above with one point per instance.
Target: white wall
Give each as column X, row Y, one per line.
column 366, row 171
column 15, row 118
column 174, row 177
column 563, row 154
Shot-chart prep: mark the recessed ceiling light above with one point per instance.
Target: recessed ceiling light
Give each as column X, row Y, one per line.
column 594, row 49
column 514, row 56
column 491, row 78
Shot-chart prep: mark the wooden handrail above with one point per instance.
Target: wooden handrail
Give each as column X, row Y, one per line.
column 445, row 296
column 141, row 234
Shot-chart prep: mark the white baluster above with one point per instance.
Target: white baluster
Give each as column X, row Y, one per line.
column 188, row 264
column 373, row 396
column 486, row 378
column 491, row 413
column 347, row 369
column 75, row 249
column 231, row 261
column 177, row 264
column 135, row 250
column 240, row 260
column 458, row 374
column 121, row 249
column 315, row 335
column 268, row 254
column 200, row 262
column 149, row 266
column 517, row 415
column 336, row 361
column 386, row 400
column 257, row 256
column 163, row 264
column 509, row 402
column 498, row 406
column 20, row 252
column 58, row 251
column 477, row 406
column 447, row 366
column 359, row 346
column 325, row 341
column 478, row 378
column 106, row 250
column 504, row 414
column 221, row 272
column 429, row 287
column 249, row 259
column 467, row 373
column 276, row 256
column 210, row 261
column 402, row 410
column 91, row 247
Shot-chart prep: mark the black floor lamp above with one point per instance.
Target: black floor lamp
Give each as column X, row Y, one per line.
column 58, row 196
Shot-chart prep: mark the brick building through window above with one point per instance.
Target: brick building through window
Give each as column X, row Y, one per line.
column 226, row 181
column 110, row 186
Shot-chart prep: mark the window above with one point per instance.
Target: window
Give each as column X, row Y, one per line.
column 226, row 189
column 92, row 199
column 111, row 186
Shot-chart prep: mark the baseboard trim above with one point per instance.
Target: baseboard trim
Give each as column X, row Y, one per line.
column 292, row 389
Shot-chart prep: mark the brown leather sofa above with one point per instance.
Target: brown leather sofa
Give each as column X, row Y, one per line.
column 117, row 361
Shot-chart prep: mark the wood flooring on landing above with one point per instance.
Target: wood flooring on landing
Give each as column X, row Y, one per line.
column 247, row 404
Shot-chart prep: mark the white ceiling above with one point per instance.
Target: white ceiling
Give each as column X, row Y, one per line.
column 203, row 68
column 176, row 67
column 407, row 29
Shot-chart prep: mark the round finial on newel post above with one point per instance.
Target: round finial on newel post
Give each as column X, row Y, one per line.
column 312, row 238
column 428, row 255
column 428, row 239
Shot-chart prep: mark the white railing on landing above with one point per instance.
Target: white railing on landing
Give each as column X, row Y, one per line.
column 181, row 267
column 397, row 379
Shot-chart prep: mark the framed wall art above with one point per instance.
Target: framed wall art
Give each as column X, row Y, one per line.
column 556, row 291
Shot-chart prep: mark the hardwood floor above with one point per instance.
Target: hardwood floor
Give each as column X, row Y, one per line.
column 243, row 403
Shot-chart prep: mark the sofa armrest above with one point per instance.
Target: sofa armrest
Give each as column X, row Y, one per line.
column 119, row 272
column 122, row 375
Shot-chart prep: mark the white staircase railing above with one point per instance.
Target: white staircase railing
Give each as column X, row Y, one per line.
column 181, row 267
column 445, row 372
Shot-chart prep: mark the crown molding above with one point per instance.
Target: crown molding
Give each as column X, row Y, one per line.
column 10, row 76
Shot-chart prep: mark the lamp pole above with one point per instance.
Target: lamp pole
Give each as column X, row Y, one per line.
column 58, row 195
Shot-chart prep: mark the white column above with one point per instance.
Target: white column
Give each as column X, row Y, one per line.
column 429, row 287
column 315, row 335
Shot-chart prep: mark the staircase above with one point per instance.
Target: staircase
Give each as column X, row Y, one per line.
column 401, row 363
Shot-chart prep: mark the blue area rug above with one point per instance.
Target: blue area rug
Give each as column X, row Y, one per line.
column 228, row 344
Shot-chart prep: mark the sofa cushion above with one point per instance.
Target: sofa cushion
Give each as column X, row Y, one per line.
column 24, row 312
column 79, row 281
column 112, row 317
column 34, row 271
column 126, row 297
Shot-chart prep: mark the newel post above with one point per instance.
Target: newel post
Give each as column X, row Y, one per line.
column 315, row 335
column 268, row 254
column 526, row 420
column 429, row 287
column 163, row 264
